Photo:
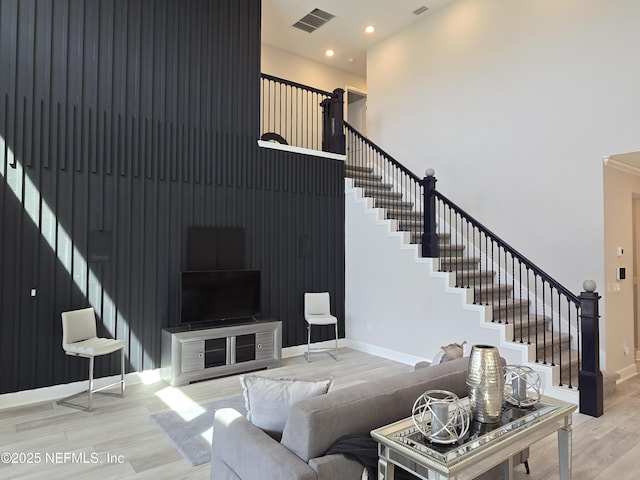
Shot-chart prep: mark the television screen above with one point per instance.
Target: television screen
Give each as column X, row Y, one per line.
column 215, row 296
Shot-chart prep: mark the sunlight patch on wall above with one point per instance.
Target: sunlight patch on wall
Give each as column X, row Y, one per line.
column 28, row 195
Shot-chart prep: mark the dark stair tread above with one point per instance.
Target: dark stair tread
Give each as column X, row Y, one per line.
column 381, row 193
column 469, row 278
column 365, row 176
column 400, row 214
column 364, row 183
column 392, row 204
column 357, row 168
column 527, row 327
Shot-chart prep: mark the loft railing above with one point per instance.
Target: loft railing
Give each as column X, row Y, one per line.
column 301, row 116
column 542, row 311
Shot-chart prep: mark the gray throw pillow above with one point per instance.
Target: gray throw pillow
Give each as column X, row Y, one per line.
column 268, row 400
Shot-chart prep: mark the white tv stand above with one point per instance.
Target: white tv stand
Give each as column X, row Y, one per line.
column 190, row 355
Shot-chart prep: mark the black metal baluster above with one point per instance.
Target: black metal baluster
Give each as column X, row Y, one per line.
column 453, row 252
column 506, row 311
column 562, row 366
column 513, row 295
column 553, row 334
column 528, row 310
column 487, row 285
column 536, row 310
column 544, row 330
column 444, row 255
column 578, row 342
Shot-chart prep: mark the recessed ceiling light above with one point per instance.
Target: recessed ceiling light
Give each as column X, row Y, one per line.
column 370, row 29
column 329, row 53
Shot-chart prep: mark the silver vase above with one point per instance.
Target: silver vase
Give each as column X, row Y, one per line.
column 485, row 379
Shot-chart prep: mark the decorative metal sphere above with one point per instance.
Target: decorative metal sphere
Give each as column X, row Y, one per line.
column 430, row 172
column 522, row 386
column 441, row 416
column 589, row 286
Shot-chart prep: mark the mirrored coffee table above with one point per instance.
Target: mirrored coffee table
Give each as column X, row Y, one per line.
column 401, row 445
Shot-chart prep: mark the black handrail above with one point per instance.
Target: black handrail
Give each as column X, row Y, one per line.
column 395, row 188
column 266, row 76
column 539, row 295
column 537, row 270
column 540, row 306
column 379, row 150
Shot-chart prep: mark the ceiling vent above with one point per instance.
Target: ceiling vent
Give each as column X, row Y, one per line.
column 420, row 10
column 313, row 20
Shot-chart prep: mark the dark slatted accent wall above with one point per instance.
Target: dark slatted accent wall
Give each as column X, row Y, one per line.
column 122, row 123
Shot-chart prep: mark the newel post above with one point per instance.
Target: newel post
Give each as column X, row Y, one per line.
column 333, row 138
column 430, row 247
column 590, row 376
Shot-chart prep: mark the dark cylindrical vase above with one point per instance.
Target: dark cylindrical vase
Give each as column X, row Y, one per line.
column 485, row 379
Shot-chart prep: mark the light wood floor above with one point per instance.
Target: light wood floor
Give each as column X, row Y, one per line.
column 119, row 435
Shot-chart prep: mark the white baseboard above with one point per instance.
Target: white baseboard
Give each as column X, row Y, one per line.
column 56, row 392
column 298, row 350
column 626, row 373
column 394, row 355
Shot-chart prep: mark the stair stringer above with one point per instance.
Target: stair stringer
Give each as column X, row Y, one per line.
column 504, row 277
column 550, row 375
column 390, row 324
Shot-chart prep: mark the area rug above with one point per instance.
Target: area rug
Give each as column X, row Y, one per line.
column 190, row 430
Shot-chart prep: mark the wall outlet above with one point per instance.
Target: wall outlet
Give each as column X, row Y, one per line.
column 627, row 350
column 614, row 287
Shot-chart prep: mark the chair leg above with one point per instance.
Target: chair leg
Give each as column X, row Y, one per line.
column 91, row 390
column 90, row 381
column 336, row 357
column 308, row 343
column 122, row 373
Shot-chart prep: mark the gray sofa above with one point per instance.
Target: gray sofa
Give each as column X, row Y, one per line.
column 242, row 451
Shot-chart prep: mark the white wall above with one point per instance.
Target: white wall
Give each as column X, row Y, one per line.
column 514, row 104
column 393, row 298
column 399, row 306
column 307, row 72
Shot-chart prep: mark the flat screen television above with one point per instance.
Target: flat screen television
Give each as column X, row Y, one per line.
column 212, row 297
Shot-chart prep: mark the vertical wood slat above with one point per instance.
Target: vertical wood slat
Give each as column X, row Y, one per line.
column 119, row 140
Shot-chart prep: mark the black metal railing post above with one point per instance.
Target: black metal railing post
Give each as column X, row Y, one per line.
column 333, row 137
column 546, row 312
column 589, row 375
column 430, row 247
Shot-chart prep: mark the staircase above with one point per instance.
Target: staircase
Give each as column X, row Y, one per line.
column 507, row 308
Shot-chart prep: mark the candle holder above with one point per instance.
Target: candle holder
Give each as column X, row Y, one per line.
column 441, row 416
column 522, row 386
